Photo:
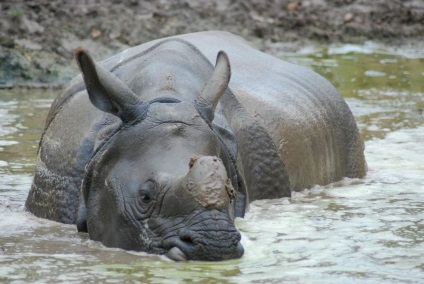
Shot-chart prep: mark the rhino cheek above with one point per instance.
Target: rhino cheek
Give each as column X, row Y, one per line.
column 115, row 223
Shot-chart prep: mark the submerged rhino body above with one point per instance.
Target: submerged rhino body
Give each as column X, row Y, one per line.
column 157, row 150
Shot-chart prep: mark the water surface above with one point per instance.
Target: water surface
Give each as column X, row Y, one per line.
column 367, row 230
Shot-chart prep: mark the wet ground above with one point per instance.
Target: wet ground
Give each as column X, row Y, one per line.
column 354, row 231
column 37, row 38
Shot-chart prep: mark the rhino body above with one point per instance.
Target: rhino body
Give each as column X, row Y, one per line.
column 153, row 150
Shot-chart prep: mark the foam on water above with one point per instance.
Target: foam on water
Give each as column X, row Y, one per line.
column 353, row 229
column 367, row 230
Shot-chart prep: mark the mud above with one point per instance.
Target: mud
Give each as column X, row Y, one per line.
column 37, row 38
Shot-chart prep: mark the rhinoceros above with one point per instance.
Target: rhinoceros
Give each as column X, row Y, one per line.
column 155, row 149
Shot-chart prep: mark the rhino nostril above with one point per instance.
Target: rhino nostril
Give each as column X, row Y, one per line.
column 186, row 237
column 187, row 240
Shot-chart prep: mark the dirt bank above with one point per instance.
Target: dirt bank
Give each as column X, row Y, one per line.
column 37, row 38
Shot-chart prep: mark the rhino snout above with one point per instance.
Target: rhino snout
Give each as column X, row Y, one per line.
column 210, row 237
column 204, row 229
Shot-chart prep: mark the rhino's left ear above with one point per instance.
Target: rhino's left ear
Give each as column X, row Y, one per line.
column 217, row 84
column 105, row 90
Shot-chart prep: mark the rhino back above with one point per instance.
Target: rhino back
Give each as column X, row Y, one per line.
column 309, row 121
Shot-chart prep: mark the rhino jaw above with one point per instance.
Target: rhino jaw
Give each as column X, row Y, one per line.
column 176, row 254
column 209, row 235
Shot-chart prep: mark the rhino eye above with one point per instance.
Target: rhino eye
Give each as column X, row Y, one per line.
column 146, row 191
column 145, row 196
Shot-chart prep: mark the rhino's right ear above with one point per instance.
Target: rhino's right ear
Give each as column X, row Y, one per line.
column 216, row 85
column 81, row 214
column 105, row 90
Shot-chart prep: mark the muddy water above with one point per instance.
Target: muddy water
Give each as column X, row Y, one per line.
column 366, row 231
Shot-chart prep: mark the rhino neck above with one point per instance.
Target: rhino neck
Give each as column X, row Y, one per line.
column 169, row 70
column 168, row 84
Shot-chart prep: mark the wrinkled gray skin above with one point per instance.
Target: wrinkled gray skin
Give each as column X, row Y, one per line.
column 140, row 170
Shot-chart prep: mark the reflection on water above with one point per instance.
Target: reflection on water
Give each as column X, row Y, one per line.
column 384, row 90
column 369, row 230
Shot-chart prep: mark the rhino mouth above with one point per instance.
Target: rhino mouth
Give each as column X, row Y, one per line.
column 176, row 254
column 184, row 250
column 210, row 239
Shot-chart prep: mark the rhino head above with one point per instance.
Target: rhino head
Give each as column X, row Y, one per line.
column 162, row 181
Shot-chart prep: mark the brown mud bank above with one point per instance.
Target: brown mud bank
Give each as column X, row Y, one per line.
column 37, row 38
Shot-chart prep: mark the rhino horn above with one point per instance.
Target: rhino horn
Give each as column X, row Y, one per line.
column 217, row 84
column 105, row 90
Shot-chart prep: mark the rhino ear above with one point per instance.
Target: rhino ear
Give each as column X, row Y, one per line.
column 81, row 214
column 217, row 84
column 105, row 90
